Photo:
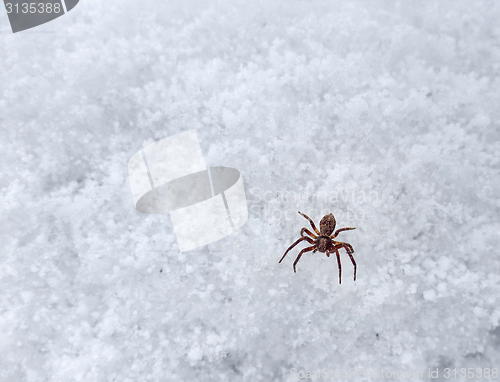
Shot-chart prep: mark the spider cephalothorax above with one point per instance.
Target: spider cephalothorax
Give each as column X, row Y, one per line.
column 323, row 241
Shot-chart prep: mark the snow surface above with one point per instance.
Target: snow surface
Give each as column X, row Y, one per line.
column 385, row 113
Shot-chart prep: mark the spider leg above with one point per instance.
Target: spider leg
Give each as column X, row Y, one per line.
column 340, row 266
column 309, row 240
column 354, row 263
column 350, row 251
column 346, row 246
column 300, row 254
column 308, row 232
column 339, row 231
column 310, row 221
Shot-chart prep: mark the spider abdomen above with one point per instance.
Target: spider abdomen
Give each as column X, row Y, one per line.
column 323, row 243
column 327, row 225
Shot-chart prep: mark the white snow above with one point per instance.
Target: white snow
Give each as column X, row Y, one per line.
column 383, row 113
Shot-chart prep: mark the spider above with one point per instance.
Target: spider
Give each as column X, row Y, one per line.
column 323, row 242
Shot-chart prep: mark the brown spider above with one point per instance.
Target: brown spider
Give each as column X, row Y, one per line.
column 323, row 242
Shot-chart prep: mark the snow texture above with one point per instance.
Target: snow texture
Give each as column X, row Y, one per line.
column 382, row 112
